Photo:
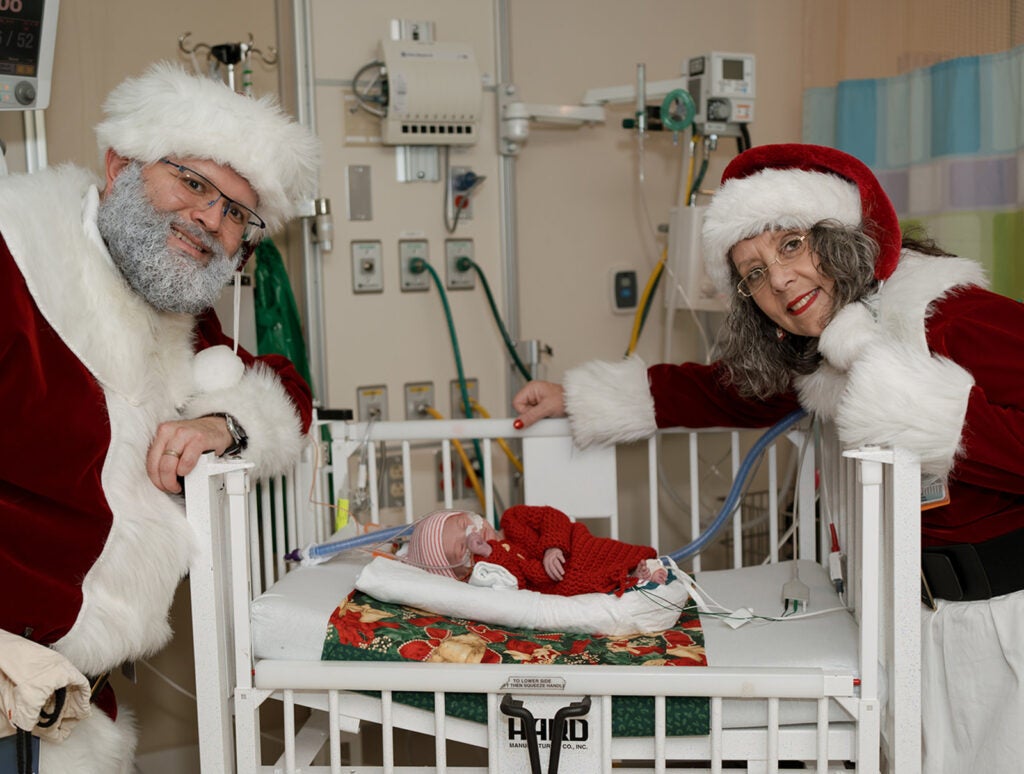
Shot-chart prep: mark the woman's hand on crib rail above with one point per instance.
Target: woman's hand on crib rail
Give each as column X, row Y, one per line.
column 538, row 400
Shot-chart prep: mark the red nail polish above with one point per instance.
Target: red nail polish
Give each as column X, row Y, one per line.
column 518, row 424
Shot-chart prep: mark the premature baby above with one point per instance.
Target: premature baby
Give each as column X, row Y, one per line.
column 542, row 547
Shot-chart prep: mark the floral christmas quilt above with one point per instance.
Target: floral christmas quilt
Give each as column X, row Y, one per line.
column 363, row 628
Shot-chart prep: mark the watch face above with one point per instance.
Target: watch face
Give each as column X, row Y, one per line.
column 237, row 434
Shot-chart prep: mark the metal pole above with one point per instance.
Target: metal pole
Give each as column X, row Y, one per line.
column 305, row 105
column 507, row 185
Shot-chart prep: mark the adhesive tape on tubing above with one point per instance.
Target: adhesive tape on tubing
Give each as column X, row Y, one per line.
column 685, row 102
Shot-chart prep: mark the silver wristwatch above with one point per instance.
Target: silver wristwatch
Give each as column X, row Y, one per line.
column 239, row 440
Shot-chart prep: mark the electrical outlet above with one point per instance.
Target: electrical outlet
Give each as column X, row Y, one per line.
column 367, row 267
column 408, row 251
column 372, row 403
column 418, row 395
column 456, row 396
column 394, row 482
column 456, row 278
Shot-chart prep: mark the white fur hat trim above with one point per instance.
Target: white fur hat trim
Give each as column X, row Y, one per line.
column 772, row 199
column 167, row 112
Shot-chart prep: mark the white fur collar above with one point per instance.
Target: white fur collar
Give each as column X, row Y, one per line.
column 879, row 381
column 109, row 327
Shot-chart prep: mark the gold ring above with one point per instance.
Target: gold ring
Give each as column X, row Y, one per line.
column 172, row 453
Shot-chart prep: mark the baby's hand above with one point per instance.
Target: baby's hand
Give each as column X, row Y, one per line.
column 477, row 545
column 554, row 563
column 651, row 570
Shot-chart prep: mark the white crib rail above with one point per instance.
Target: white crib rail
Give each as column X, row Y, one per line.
column 584, row 483
column 872, row 495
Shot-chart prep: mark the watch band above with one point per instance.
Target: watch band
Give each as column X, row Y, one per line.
column 239, row 439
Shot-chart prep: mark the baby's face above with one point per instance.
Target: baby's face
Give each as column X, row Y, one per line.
column 454, row 541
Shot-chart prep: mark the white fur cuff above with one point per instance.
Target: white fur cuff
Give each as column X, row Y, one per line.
column 609, row 403
column 261, row 405
column 895, row 396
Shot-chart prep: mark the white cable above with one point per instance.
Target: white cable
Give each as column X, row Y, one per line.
column 236, row 306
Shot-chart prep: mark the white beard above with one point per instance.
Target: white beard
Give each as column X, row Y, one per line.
column 136, row 235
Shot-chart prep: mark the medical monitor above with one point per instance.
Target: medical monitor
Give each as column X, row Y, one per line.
column 28, row 34
column 722, row 87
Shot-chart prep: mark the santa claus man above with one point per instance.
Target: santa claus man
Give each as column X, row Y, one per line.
column 115, row 374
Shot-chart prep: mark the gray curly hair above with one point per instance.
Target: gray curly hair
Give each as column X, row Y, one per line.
column 759, row 364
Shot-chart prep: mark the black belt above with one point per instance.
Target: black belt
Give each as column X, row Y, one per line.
column 971, row 571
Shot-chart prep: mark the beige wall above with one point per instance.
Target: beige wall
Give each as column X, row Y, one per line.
column 848, row 39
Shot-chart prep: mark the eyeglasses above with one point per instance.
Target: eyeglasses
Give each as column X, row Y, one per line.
column 197, row 191
column 790, row 247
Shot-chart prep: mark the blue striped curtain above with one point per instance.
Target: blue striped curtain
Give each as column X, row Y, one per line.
column 946, row 142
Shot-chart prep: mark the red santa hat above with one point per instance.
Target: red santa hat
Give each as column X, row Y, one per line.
column 426, row 546
column 168, row 112
column 785, row 186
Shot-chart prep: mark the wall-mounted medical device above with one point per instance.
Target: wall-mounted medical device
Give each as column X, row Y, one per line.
column 722, row 87
column 434, row 93
column 28, row 34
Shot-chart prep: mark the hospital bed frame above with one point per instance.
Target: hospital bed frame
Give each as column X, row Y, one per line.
column 872, row 494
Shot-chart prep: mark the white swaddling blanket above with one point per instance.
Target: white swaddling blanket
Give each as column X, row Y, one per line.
column 647, row 607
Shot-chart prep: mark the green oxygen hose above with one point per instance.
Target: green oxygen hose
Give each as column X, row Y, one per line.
column 418, row 266
column 464, row 264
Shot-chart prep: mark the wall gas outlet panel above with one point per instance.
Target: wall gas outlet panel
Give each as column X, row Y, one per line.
column 456, row 278
column 472, row 387
column 408, row 251
column 367, row 267
column 372, row 403
column 418, row 397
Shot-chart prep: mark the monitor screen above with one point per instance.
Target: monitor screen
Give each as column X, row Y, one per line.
column 732, row 69
column 21, row 23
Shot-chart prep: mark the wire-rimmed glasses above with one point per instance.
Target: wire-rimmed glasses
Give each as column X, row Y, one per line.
column 200, row 192
column 792, row 246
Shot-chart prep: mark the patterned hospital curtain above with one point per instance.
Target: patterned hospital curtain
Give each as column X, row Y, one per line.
column 947, row 143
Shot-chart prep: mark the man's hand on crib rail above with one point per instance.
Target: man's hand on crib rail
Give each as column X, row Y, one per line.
column 177, row 447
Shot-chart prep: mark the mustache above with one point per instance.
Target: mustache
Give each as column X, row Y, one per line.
column 198, row 235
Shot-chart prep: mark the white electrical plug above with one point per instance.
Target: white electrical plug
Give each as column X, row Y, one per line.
column 795, row 593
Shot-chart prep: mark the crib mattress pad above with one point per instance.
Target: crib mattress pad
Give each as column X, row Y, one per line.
column 290, row 621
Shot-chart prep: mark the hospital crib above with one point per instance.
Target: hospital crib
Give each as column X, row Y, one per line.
column 769, row 701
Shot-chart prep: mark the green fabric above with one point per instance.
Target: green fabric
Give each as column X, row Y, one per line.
column 363, row 628
column 278, row 327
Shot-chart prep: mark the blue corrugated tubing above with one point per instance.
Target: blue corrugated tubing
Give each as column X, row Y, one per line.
column 738, row 485
column 324, row 550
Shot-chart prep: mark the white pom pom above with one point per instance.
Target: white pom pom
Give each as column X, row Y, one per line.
column 216, row 368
